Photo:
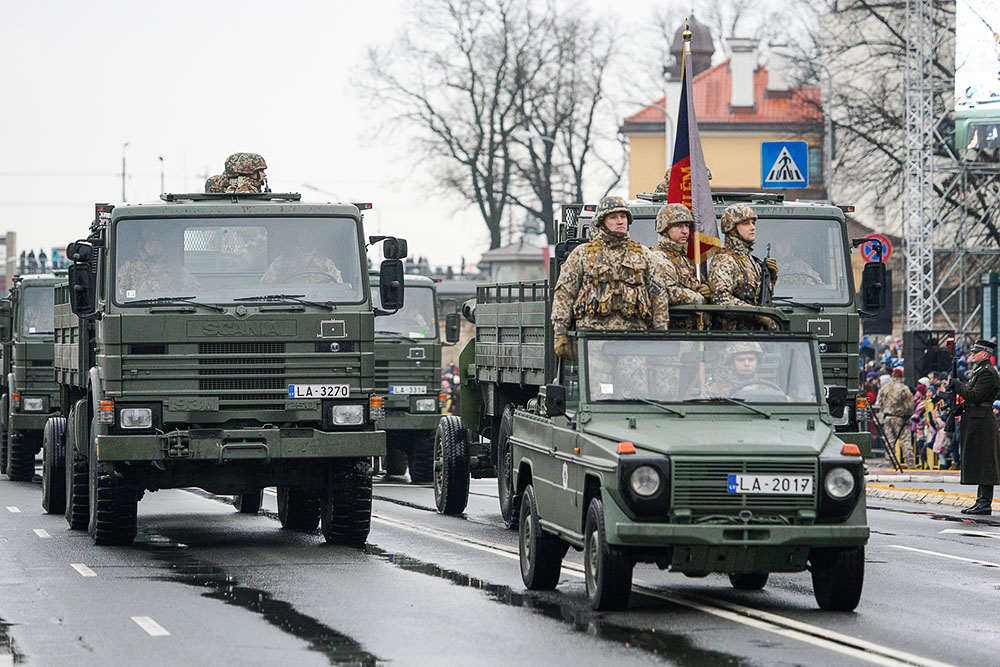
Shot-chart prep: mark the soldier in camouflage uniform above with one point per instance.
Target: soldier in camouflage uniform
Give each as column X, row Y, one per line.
column 249, row 170
column 609, row 283
column 663, row 187
column 217, row 183
column 151, row 273
column 734, row 275
column 306, row 263
column 794, row 270
column 896, row 401
column 673, row 224
column 740, row 367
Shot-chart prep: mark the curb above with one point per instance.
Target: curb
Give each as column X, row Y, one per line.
column 888, row 492
column 935, row 479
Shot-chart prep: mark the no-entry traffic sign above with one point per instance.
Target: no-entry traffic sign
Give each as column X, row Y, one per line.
column 868, row 249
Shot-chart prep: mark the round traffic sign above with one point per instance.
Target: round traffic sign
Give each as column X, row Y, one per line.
column 868, row 249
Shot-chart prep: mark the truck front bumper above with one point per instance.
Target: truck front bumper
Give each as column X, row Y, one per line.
column 29, row 421
column 400, row 420
column 223, row 445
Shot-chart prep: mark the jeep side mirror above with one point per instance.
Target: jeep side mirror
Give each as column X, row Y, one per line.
column 555, row 400
column 390, row 284
column 873, row 288
column 836, row 400
column 81, row 290
column 452, row 328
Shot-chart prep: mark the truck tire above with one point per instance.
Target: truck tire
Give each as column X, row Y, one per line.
column 838, row 575
column 298, row 508
column 395, row 458
column 752, row 581
column 54, row 466
column 421, row 457
column 113, row 505
column 249, row 502
column 3, row 450
column 77, row 480
column 608, row 569
column 451, row 466
column 21, row 449
column 347, row 509
column 510, row 503
column 541, row 553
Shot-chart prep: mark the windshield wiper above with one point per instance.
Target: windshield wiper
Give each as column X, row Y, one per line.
column 658, row 404
column 174, row 300
column 296, row 298
column 399, row 334
column 811, row 306
column 734, row 401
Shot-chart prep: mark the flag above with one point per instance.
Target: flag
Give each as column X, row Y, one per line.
column 688, row 173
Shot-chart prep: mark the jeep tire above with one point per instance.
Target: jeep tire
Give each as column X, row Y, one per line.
column 541, row 553
column 838, row 575
column 608, row 569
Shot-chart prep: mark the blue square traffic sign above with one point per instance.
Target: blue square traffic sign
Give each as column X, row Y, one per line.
column 784, row 164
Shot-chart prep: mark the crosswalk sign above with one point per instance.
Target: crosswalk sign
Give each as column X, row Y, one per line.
column 784, row 164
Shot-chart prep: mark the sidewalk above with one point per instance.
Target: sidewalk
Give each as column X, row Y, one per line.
column 933, row 487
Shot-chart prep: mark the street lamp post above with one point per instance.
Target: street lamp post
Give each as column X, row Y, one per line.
column 124, row 146
column 162, row 188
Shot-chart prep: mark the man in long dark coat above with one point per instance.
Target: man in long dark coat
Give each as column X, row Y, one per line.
column 979, row 438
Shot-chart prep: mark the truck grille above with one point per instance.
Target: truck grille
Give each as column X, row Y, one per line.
column 701, row 485
column 237, row 390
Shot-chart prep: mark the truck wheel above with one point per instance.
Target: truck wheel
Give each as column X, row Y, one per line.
column 113, row 504
column 838, row 575
column 421, row 457
column 510, row 504
column 608, row 569
column 541, row 553
column 347, row 510
column 395, row 459
column 3, row 450
column 77, row 480
column 21, row 449
column 54, row 466
column 249, row 502
column 298, row 508
column 753, row 581
column 451, row 466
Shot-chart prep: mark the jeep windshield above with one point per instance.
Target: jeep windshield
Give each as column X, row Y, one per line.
column 221, row 260
column 36, row 310
column 416, row 319
column 750, row 371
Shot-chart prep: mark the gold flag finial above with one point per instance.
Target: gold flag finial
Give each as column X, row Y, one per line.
column 687, row 31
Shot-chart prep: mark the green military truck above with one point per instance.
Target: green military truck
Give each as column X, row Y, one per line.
column 31, row 395
column 408, row 376
column 224, row 342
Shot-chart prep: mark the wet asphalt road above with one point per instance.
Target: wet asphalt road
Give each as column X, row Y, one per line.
column 205, row 585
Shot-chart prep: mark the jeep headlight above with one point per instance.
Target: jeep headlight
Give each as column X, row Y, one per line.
column 36, row 404
column 347, row 415
column 425, row 405
column 839, row 483
column 645, row 481
column 135, row 418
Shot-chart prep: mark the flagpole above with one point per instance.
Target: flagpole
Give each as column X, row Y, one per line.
column 684, row 73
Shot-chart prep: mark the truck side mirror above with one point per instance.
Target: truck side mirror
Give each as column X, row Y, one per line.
column 555, row 400
column 452, row 328
column 80, row 251
column 873, row 288
column 836, row 400
column 394, row 248
column 81, row 290
column 390, row 284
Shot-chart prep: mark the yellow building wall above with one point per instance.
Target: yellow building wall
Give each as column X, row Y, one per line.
column 733, row 158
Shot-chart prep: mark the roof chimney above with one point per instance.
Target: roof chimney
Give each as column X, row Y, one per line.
column 742, row 65
column 777, row 70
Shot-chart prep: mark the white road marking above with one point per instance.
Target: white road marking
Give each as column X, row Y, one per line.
column 41, row 532
column 152, row 628
column 83, row 570
column 971, row 533
column 975, row 561
column 736, row 613
column 13, row 510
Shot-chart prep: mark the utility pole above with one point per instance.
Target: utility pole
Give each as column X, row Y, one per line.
column 124, row 146
column 162, row 188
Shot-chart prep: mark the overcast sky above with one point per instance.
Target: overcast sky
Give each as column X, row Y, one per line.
column 194, row 82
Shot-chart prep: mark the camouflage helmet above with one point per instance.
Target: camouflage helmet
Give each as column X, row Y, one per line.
column 663, row 187
column 230, row 170
column 609, row 205
column 217, row 183
column 672, row 214
column 248, row 164
column 734, row 215
column 744, row 347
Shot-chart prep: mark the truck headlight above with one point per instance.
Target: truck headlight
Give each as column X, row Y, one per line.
column 645, row 481
column 135, row 418
column 839, row 483
column 425, row 405
column 33, row 404
column 347, row 415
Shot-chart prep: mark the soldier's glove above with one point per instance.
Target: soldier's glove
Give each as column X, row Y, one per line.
column 772, row 267
column 705, row 291
column 565, row 348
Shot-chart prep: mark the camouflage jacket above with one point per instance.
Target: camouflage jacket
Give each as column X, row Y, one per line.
column 146, row 276
column 243, row 184
column 678, row 272
column 895, row 399
column 734, row 275
column 796, row 271
column 306, row 267
column 609, row 283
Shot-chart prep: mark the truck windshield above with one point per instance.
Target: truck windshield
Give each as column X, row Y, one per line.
column 416, row 319
column 36, row 312
column 676, row 371
column 218, row 260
